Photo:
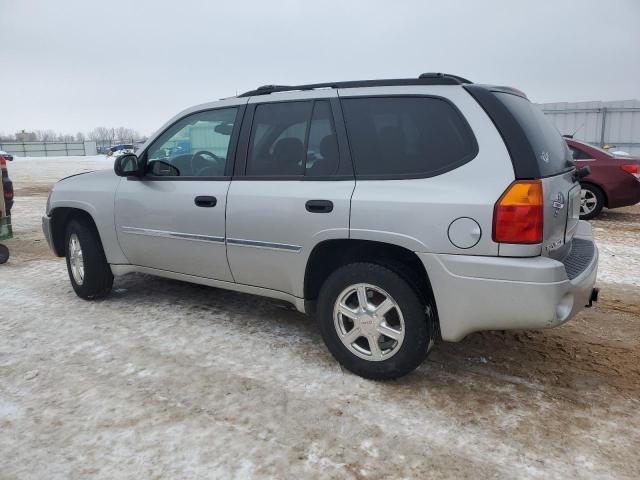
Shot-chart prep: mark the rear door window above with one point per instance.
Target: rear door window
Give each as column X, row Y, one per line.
column 552, row 154
column 276, row 147
column 396, row 137
column 293, row 139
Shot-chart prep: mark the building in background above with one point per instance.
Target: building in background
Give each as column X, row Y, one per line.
column 615, row 123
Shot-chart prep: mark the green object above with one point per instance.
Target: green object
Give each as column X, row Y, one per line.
column 5, row 228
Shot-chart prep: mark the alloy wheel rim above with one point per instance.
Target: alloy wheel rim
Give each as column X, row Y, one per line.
column 369, row 322
column 76, row 261
column 588, row 202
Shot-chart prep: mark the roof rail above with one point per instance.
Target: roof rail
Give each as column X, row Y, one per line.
column 424, row 79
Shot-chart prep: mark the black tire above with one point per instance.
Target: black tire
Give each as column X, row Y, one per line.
column 98, row 278
column 419, row 327
column 4, row 254
column 598, row 194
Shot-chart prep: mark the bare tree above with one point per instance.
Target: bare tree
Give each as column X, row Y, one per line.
column 80, row 137
column 7, row 137
column 100, row 134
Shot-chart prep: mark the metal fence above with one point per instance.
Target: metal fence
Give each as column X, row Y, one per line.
column 49, row 149
column 616, row 124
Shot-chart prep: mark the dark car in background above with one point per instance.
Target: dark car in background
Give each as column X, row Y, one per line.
column 120, row 149
column 7, row 185
column 614, row 181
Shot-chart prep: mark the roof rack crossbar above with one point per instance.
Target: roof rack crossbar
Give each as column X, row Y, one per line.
column 424, row 79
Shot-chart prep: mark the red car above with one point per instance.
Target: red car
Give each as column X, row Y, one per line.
column 6, row 183
column 614, row 180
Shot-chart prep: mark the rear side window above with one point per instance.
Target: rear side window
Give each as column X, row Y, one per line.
column 406, row 136
column 550, row 149
column 579, row 154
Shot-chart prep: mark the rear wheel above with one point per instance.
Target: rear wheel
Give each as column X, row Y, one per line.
column 87, row 265
column 373, row 321
column 591, row 201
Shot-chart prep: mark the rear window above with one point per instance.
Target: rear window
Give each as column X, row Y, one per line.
column 551, row 151
column 406, row 136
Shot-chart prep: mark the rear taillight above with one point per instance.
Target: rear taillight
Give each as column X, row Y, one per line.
column 518, row 215
column 3, row 162
column 633, row 169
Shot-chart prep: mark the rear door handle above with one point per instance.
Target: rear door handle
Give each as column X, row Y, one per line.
column 319, row 206
column 205, row 201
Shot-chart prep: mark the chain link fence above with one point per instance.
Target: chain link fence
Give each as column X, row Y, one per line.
column 49, row 149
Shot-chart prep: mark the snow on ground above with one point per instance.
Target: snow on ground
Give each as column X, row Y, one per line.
column 165, row 379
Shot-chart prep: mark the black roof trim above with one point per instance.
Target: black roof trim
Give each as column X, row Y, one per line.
column 424, row 79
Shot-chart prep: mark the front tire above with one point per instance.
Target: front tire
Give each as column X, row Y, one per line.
column 89, row 272
column 591, row 201
column 374, row 321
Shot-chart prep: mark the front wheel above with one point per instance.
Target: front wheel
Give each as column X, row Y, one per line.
column 374, row 321
column 89, row 272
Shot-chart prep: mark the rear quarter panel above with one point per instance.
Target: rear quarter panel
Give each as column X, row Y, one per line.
column 620, row 188
column 416, row 213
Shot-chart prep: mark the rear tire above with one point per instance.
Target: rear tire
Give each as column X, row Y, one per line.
column 89, row 272
column 591, row 201
column 352, row 336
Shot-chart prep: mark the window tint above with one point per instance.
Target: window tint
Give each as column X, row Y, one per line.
column 322, row 146
column 276, row 145
column 551, row 151
column 196, row 145
column 406, row 136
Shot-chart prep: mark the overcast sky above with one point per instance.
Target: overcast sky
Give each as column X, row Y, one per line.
column 71, row 65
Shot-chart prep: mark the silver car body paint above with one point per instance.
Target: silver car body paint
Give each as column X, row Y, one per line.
column 259, row 237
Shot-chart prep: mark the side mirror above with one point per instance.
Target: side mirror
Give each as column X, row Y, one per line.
column 127, row 165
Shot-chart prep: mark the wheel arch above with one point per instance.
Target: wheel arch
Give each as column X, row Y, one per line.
column 331, row 254
column 599, row 187
column 60, row 218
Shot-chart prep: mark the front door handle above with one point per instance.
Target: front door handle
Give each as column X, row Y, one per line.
column 319, row 206
column 205, row 201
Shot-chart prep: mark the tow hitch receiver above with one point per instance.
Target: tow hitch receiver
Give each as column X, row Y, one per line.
column 594, row 297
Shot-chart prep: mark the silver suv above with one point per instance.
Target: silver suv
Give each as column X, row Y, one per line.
column 397, row 212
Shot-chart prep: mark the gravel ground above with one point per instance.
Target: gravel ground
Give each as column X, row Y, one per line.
column 165, row 379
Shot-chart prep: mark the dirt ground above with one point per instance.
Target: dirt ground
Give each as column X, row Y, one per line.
column 165, row 379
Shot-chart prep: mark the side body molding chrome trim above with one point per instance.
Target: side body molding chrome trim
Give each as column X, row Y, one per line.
column 208, row 238
column 269, row 245
column 167, row 234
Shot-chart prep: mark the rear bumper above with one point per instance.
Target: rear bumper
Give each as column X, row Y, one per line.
column 475, row 293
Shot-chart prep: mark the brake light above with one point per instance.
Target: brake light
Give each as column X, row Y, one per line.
column 518, row 215
column 3, row 162
column 633, row 169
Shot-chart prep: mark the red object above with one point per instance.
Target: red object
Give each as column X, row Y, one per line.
column 617, row 176
column 632, row 169
column 7, row 186
column 518, row 215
